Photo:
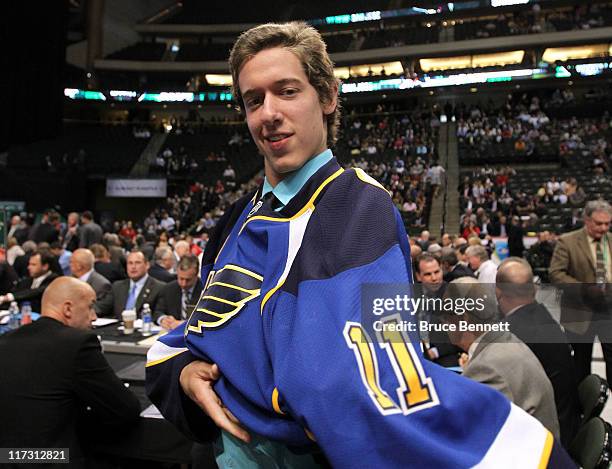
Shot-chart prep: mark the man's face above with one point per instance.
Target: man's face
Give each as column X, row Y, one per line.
column 186, row 278
column 598, row 224
column 283, row 111
column 36, row 268
column 75, row 267
column 15, row 220
column 73, row 219
column 474, row 262
column 168, row 261
column 137, row 266
column 82, row 310
column 430, row 274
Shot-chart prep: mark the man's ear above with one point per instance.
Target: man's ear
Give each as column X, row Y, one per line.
column 329, row 105
column 67, row 309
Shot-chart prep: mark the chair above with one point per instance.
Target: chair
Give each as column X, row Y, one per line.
column 591, row 448
column 593, row 394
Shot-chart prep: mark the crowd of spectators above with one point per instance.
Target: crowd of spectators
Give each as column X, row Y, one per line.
column 499, row 200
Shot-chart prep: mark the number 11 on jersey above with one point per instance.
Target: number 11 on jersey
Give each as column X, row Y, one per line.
column 415, row 390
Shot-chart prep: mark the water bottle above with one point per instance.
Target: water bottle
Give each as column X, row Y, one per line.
column 26, row 313
column 147, row 320
column 13, row 316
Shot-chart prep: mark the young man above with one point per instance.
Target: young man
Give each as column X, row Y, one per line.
column 280, row 316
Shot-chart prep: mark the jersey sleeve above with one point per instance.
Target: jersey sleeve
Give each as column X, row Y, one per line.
column 165, row 361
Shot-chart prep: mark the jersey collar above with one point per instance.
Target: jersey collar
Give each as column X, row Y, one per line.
column 291, row 185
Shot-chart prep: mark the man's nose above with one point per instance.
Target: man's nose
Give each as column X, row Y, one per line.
column 271, row 114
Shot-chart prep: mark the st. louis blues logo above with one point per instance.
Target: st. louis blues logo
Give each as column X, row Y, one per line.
column 227, row 292
column 255, row 208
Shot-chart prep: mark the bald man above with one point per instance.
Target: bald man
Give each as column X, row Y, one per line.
column 532, row 323
column 82, row 267
column 55, row 380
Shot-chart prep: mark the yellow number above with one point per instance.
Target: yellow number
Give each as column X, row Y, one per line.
column 361, row 344
column 415, row 391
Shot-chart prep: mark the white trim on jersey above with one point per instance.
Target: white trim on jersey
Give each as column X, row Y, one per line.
column 521, row 442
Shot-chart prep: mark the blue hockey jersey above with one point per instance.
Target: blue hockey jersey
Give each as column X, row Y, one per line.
column 281, row 316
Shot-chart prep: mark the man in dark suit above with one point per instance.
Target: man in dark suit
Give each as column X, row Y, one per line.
column 134, row 292
column 515, row 238
column 532, row 323
column 179, row 296
column 451, row 267
column 582, row 266
column 89, row 232
column 163, row 264
column 429, row 274
column 498, row 227
column 45, row 231
column 82, row 267
column 32, row 288
column 55, row 380
column 103, row 264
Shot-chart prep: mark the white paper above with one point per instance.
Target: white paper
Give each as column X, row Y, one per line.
column 151, row 412
column 104, row 322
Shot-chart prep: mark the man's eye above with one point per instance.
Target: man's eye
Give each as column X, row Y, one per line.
column 252, row 102
column 289, row 91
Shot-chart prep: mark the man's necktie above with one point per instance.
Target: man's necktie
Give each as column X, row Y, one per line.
column 131, row 301
column 272, row 201
column 600, row 266
column 184, row 303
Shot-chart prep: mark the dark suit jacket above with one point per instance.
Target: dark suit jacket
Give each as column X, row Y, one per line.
column 494, row 228
column 113, row 304
column 21, row 265
column 8, row 277
column 44, row 232
column 46, row 390
column 515, row 240
column 23, row 291
column 158, row 272
column 170, row 299
column 459, row 271
column 110, row 270
column 89, row 233
column 534, row 325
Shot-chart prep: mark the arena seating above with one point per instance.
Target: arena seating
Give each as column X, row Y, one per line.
column 95, row 148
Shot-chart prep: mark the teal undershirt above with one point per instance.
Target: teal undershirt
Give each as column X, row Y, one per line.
column 286, row 189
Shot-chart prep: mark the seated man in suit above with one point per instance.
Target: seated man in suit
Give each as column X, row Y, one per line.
column 82, row 267
column 429, row 274
column 133, row 292
column 164, row 263
column 499, row 359
column 532, row 323
column 55, row 380
column 178, row 297
column 31, row 288
column 110, row 270
column 451, row 266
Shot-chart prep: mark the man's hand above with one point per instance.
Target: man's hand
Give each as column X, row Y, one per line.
column 197, row 381
column 169, row 322
column 463, row 360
